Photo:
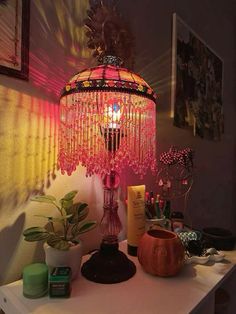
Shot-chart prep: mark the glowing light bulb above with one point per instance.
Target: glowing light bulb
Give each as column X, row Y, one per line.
column 112, row 115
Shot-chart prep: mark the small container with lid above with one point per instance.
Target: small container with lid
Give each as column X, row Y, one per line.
column 177, row 221
column 35, row 280
column 60, row 282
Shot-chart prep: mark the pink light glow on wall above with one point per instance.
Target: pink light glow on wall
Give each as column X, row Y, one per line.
column 59, row 46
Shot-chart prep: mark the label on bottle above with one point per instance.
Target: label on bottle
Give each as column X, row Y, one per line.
column 136, row 214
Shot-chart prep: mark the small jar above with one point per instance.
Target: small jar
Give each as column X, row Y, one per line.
column 177, row 221
column 60, row 282
column 155, row 223
column 35, row 280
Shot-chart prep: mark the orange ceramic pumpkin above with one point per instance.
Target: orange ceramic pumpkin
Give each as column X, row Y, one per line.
column 161, row 253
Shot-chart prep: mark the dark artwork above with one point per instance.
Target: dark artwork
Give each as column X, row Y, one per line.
column 198, row 93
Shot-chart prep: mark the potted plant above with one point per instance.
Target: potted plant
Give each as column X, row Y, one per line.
column 62, row 246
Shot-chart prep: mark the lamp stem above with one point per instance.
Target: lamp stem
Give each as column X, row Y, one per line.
column 110, row 223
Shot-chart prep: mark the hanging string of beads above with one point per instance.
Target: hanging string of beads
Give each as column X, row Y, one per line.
column 107, row 130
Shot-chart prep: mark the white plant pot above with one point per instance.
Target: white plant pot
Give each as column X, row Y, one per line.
column 70, row 258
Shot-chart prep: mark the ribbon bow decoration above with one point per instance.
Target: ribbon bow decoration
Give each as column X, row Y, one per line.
column 183, row 157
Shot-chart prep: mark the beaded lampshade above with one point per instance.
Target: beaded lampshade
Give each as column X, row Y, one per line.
column 107, row 122
column 107, row 118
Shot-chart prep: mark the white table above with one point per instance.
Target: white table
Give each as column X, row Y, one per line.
column 192, row 291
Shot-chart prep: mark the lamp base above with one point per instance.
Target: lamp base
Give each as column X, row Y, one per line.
column 108, row 265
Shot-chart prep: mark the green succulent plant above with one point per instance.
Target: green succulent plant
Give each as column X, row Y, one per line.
column 72, row 219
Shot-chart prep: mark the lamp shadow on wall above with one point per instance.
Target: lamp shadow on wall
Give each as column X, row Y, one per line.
column 12, row 236
column 157, row 73
column 28, row 151
column 58, row 45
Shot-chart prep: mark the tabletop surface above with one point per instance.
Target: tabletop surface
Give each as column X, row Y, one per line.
column 141, row 294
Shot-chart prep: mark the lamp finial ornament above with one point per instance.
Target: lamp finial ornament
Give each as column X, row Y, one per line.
column 109, row 35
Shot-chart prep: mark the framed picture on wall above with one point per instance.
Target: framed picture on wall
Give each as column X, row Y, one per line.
column 197, row 79
column 14, row 38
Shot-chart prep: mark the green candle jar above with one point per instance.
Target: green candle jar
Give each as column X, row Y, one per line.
column 35, row 280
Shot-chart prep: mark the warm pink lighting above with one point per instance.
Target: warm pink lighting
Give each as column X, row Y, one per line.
column 107, row 122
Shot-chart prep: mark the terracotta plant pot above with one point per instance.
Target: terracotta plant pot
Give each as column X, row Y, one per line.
column 70, row 258
column 161, row 253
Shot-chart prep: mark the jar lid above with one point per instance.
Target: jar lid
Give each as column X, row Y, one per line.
column 177, row 215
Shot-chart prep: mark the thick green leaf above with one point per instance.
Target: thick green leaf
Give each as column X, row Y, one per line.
column 43, row 216
column 77, row 207
column 61, row 218
column 44, row 199
column 37, row 236
column 89, row 225
column 55, row 219
column 80, row 212
column 78, row 229
column 69, row 196
column 82, row 206
column 50, row 197
column 58, row 243
column 63, row 211
column 73, row 219
column 34, row 230
column 74, row 230
column 83, row 214
column 66, row 204
column 72, row 209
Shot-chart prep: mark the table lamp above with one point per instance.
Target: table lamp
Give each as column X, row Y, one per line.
column 107, row 122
